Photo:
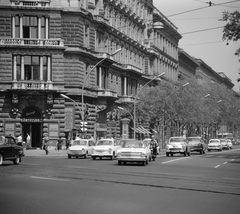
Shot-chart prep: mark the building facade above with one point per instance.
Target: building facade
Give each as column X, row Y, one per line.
column 50, row 50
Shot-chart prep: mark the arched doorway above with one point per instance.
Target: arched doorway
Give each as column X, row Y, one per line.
column 32, row 124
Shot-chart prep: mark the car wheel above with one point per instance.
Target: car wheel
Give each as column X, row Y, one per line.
column 1, row 159
column 119, row 162
column 171, row 154
column 16, row 160
column 100, row 158
column 69, row 156
column 144, row 163
column 94, row 158
column 167, row 154
column 209, row 150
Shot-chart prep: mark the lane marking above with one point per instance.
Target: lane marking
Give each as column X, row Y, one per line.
column 232, row 159
column 174, row 160
column 225, row 162
column 81, row 167
column 216, row 166
column 46, row 178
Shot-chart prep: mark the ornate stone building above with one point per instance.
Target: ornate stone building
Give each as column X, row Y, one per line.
column 51, row 77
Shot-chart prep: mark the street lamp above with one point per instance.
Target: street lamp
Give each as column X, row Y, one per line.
column 123, row 109
column 66, row 97
column 134, row 103
column 115, row 52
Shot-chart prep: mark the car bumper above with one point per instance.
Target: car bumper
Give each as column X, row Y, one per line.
column 129, row 159
column 181, row 151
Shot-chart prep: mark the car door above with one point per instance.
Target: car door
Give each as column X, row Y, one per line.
column 8, row 149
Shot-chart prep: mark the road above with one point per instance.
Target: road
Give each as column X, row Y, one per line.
column 207, row 183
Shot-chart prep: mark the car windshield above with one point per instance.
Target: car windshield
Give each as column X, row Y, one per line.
column 214, row 141
column 223, row 141
column 105, row 143
column 177, row 139
column 79, row 143
column 194, row 139
column 134, row 144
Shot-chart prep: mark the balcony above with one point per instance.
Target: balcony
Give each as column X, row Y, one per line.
column 31, row 42
column 107, row 93
column 131, row 67
column 126, row 99
column 32, row 85
column 30, row 3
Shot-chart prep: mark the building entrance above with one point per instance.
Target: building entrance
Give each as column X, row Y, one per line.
column 32, row 124
column 34, row 130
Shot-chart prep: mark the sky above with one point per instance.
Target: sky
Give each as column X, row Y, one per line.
column 201, row 31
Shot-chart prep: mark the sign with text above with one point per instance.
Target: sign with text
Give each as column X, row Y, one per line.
column 53, row 130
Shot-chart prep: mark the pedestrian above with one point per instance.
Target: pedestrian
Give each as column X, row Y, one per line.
column 28, row 141
column 46, row 144
column 59, row 145
column 20, row 140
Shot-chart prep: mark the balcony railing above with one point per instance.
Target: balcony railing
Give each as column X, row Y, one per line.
column 32, row 42
column 31, row 3
column 131, row 67
column 126, row 99
column 107, row 93
column 32, row 85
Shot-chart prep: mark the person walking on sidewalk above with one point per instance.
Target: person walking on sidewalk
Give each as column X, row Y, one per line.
column 46, row 144
column 59, row 145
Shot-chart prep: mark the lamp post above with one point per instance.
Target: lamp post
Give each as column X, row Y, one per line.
column 88, row 76
column 123, row 109
column 66, row 97
column 134, row 103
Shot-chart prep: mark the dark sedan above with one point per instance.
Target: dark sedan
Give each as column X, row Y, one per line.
column 9, row 150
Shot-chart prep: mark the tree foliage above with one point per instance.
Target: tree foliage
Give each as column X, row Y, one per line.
column 231, row 31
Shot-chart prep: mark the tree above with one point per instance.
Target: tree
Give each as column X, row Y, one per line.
column 231, row 31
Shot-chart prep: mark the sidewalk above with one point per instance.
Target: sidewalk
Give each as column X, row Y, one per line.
column 39, row 153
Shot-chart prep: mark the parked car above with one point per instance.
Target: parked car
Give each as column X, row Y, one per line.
column 214, row 144
column 197, row 144
column 105, row 148
column 9, row 150
column 80, row 148
column 224, row 143
column 178, row 145
column 134, row 151
column 230, row 145
column 148, row 140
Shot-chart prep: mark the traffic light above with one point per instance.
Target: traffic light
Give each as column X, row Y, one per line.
column 83, row 126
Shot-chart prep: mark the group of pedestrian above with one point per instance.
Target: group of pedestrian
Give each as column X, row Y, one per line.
column 46, row 145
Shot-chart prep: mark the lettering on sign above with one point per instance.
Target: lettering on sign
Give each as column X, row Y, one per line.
column 30, row 113
column 31, row 120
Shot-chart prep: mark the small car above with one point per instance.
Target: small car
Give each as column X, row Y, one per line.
column 80, row 148
column 105, row 148
column 214, row 144
column 9, row 150
column 134, row 151
column 197, row 144
column 224, row 143
column 178, row 145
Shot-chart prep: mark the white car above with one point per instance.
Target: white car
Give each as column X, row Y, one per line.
column 214, row 144
column 178, row 145
column 80, row 148
column 105, row 148
column 134, row 151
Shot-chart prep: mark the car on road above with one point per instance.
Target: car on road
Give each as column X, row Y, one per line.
column 134, row 151
column 105, row 148
column 80, row 148
column 148, row 140
column 197, row 144
column 178, row 145
column 9, row 150
column 214, row 144
column 224, row 143
column 230, row 145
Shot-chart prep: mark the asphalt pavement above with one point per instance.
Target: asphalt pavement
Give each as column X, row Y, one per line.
column 41, row 152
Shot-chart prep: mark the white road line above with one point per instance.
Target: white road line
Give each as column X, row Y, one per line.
column 217, row 166
column 45, row 178
column 80, row 167
column 225, row 162
column 174, row 160
column 232, row 159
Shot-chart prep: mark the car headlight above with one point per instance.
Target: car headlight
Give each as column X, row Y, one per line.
column 119, row 154
column 83, row 150
column 142, row 154
column 109, row 150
